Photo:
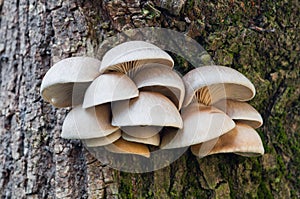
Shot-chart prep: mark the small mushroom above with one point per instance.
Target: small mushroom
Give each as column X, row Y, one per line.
column 88, row 123
column 201, row 123
column 209, row 84
column 154, row 140
column 141, row 131
column 242, row 140
column 66, row 81
column 133, row 54
column 102, row 141
column 108, row 88
column 240, row 111
column 123, row 146
column 150, row 109
column 162, row 79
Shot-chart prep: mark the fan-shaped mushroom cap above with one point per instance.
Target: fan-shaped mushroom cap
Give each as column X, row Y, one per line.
column 102, row 141
column 162, row 79
column 152, row 109
column 88, row 123
column 123, row 146
column 141, row 131
column 243, row 140
column 201, row 123
column 214, row 83
column 133, row 54
column 66, row 81
column 108, row 88
column 154, row 140
column 240, row 111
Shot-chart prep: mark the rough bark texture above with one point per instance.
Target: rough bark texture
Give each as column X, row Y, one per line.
column 260, row 39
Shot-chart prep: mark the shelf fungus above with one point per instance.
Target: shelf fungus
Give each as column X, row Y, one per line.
column 216, row 118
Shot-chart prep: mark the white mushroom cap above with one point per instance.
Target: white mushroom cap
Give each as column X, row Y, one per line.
column 88, row 123
column 150, row 108
column 242, row 140
column 141, row 131
column 66, row 81
column 108, row 88
column 123, row 146
column 102, row 141
column 133, row 54
column 201, row 123
column 240, row 111
column 162, row 79
column 222, row 83
column 154, row 140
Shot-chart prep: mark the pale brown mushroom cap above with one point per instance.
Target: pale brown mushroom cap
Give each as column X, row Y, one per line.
column 133, row 54
column 88, row 123
column 240, row 111
column 150, row 108
column 201, row 123
column 123, row 146
column 141, row 131
column 108, row 88
column 66, row 81
column 162, row 79
column 154, row 140
column 242, row 140
column 218, row 82
column 102, row 141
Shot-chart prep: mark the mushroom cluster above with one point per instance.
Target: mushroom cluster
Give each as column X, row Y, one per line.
column 121, row 102
column 133, row 99
column 215, row 115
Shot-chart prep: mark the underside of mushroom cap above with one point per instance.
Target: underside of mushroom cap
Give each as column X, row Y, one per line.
column 102, row 141
column 108, row 88
column 89, row 123
column 242, row 140
column 201, row 123
column 240, row 111
column 154, row 140
column 162, row 79
column 222, row 83
column 150, row 108
column 66, row 81
column 141, row 131
column 133, row 54
column 123, row 146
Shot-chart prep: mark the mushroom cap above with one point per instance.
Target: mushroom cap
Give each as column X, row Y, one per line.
column 123, row 146
column 150, row 108
column 222, row 83
column 102, row 141
column 162, row 79
column 201, row 123
column 88, row 123
column 154, row 140
column 108, row 88
column 66, row 81
column 242, row 140
column 133, row 54
column 240, row 111
column 141, row 131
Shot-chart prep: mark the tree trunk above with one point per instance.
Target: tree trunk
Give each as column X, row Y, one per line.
column 260, row 39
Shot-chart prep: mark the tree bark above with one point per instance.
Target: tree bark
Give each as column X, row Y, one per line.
column 260, row 39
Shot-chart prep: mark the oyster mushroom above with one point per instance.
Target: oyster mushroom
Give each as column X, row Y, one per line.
column 209, row 84
column 141, row 131
column 109, row 87
column 242, row 140
column 88, row 123
column 133, row 54
column 66, row 81
column 123, row 146
column 154, row 140
column 161, row 79
column 240, row 111
column 102, row 141
column 201, row 123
